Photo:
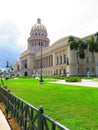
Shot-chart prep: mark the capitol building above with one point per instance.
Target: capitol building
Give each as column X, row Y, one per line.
column 56, row 59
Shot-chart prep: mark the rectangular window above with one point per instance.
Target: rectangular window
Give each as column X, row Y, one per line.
column 64, row 59
column 92, row 69
column 87, row 60
column 18, row 67
column 57, row 60
column 60, row 59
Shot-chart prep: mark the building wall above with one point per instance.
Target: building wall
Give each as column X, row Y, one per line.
column 57, row 59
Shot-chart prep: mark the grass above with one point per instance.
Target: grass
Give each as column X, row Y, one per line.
column 75, row 107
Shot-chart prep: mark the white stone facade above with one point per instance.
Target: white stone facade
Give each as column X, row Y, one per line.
column 57, row 59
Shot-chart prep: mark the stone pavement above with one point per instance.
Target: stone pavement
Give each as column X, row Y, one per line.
column 84, row 82
column 3, row 122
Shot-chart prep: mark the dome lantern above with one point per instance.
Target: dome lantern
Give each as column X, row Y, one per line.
column 38, row 21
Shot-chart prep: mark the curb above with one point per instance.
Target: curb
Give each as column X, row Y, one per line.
column 3, row 122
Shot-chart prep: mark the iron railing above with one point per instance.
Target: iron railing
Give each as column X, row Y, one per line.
column 27, row 116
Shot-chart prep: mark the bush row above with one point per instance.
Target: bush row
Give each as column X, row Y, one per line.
column 67, row 79
column 73, row 79
column 54, row 77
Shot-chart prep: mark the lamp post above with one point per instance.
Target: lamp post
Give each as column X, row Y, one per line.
column 7, row 70
column 41, row 79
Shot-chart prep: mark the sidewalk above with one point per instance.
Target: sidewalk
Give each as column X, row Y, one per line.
column 87, row 83
column 3, row 122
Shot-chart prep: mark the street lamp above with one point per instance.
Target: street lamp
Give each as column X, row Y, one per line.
column 7, row 69
column 41, row 79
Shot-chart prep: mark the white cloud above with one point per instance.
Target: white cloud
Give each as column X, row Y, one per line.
column 9, row 50
column 61, row 17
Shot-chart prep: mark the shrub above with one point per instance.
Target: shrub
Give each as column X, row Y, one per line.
column 54, row 77
column 73, row 79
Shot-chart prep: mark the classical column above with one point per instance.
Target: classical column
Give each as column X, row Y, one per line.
column 54, row 59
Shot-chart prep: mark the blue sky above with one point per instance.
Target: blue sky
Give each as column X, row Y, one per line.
column 61, row 18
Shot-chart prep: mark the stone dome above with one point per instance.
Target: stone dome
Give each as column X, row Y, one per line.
column 38, row 37
column 38, row 29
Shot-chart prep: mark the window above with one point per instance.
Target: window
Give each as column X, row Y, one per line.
column 60, row 59
column 93, row 59
column 87, row 60
column 64, row 58
column 18, row 67
column 25, row 65
column 92, row 69
column 87, row 69
column 67, row 61
column 57, row 60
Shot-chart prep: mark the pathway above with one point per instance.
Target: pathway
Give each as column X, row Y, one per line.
column 84, row 82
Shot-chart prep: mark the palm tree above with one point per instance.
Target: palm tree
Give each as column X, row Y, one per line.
column 82, row 48
column 96, row 43
column 79, row 46
column 74, row 46
column 93, row 46
column 96, row 34
column 81, row 54
column 73, row 43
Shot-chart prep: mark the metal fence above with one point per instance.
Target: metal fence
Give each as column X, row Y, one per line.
column 27, row 116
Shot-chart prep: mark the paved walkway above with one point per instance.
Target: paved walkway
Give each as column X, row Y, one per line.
column 3, row 122
column 84, row 82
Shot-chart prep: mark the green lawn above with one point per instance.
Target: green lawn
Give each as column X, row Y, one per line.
column 73, row 106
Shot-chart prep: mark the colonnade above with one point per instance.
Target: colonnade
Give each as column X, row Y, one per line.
column 47, row 61
column 55, row 63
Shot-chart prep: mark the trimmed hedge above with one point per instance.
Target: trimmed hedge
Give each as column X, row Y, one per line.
column 73, row 79
column 54, row 77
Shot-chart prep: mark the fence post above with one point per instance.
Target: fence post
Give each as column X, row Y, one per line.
column 40, row 119
column 7, row 103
